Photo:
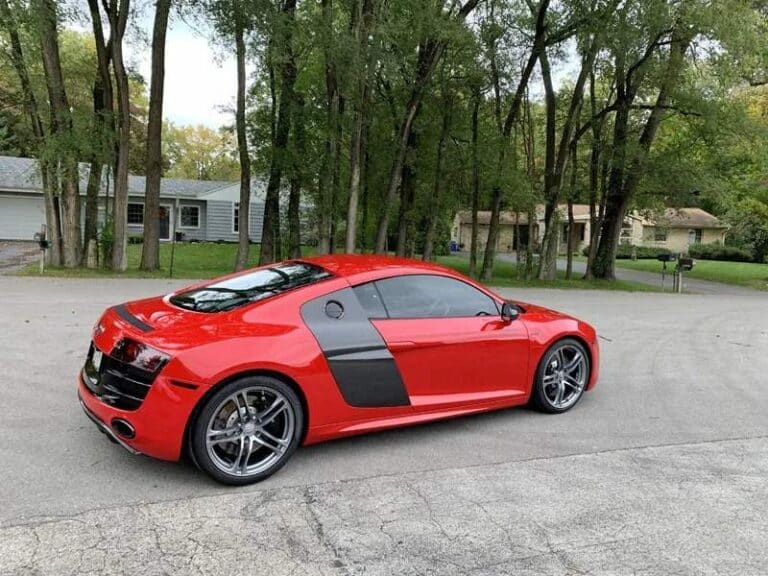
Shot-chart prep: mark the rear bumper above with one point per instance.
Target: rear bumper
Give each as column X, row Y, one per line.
column 159, row 423
column 104, row 428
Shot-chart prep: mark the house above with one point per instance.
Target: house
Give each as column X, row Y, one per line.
column 461, row 231
column 201, row 210
column 675, row 229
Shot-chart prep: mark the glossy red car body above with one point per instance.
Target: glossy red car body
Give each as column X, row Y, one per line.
column 450, row 366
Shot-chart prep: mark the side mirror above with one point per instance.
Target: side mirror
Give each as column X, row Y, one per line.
column 509, row 312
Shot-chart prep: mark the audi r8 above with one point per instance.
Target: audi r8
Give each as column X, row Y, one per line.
column 237, row 372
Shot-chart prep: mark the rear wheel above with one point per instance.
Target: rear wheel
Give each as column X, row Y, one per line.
column 562, row 377
column 247, row 430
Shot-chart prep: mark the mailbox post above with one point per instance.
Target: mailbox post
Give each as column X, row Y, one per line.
column 664, row 259
column 44, row 245
column 683, row 265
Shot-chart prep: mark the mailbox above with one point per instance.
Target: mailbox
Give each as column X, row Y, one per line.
column 40, row 237
column 666, row 257
column 685, row 264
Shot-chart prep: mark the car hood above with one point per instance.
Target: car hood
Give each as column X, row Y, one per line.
column 540, row 311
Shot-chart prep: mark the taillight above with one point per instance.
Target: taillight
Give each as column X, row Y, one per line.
column 139, row 355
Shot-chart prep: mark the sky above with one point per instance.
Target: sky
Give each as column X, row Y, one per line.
column 199, row 79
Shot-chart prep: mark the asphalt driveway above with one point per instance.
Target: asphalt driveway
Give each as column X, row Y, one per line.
column 690, row 285
column 662, row 469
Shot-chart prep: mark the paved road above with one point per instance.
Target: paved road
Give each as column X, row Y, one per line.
column 663, row 469
column 690, row 285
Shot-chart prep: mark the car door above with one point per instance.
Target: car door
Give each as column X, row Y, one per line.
column 448, row 339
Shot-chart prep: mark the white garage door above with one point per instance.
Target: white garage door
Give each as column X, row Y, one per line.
column 20, row 217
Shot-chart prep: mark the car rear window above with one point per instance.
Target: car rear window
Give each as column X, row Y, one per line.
column 252, row 287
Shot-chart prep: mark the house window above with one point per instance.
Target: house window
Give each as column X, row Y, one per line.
column 189, row 216
column 136, row 214
column 694, row 236
column 236, row 217
column 659, row 235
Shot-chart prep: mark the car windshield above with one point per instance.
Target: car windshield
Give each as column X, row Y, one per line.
column 257, row 285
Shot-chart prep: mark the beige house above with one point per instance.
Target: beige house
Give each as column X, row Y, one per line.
column 461, row 231
column 675, row 230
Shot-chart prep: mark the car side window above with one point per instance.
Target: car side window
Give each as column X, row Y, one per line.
column 431, row 296
column 370, row 300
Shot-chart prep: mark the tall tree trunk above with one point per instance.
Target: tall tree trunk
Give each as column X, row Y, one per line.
column 118, row 20
column 331, row 158
column 407, row 197
column 62, row 129
column 244, row 209
column 270, row 240
column 571, row 222
column 549, row 245
column 103, row 124
column 362, row 23
column 150, row 252
column 53, row 222
column 594, row 175
column 476, row 97
column 294, row 197
column 433, row 213
column 626, row 175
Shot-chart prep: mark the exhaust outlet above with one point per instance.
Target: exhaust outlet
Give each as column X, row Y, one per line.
column 123, row 428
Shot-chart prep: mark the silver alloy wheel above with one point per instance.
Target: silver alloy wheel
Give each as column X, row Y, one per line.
column 565, row 376
column 250, row 431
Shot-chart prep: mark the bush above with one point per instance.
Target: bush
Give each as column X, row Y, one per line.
column 136, row 239
column 719, row 252
column 624, row 252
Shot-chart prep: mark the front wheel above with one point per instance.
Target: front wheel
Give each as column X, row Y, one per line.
column 562, row 377
column 247, row 430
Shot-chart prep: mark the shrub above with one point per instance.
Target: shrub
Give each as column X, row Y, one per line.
column 642, row 252
column 624, row 252
column 719, row 252
column 136, row 239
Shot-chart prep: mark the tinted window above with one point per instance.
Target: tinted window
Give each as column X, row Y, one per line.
column 426, row 296
column 257, row 285
column 370, row 300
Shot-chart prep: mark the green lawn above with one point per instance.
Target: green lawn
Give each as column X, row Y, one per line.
column 208, row 260
column 505, row 274
column 191, row 260
column 741, row 273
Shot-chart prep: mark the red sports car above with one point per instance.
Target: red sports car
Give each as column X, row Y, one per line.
column 240, row 371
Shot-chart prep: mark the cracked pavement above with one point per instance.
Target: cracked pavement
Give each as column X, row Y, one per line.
column 662, row 470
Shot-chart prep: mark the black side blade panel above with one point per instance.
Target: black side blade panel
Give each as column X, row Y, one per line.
column 360, row 361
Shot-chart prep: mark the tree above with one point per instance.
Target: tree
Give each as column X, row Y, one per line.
column 117, row 13
column 53, row 223
column 270, row 239
column 200, row 153
column 244, row 213
column 103, row 123
column 430, row 52
column 150, row 253
column 63, row 133
column 362, row 22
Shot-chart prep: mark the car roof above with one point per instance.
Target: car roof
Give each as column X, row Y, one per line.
column 357, row 266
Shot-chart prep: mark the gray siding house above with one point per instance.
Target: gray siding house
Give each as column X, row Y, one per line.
column 201, row 210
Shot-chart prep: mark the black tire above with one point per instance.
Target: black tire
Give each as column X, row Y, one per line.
column 260, row 388
column 543, row 401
